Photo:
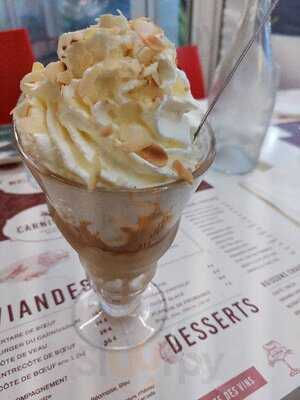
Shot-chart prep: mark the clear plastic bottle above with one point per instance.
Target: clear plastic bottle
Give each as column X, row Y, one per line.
column 243, row 113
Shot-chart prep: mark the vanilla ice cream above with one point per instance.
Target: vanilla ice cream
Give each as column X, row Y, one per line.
column 113, row 111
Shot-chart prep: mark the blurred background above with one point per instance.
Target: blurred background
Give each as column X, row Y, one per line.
column 46, row 20
column 211, row 24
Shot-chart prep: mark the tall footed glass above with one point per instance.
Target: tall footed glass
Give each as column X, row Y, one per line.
column 119, row 235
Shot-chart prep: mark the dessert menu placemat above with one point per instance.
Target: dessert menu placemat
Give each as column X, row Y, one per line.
column 232, row 284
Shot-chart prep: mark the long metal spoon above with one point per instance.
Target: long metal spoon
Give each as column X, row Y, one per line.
column 236, row 65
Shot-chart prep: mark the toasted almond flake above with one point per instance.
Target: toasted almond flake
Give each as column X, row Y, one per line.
column 86, row 88
column 78, row 59
column 144, row 27
column 64, row 77
column 64, row 41
column 37, row 66
column 131, row 147
column 133, row 136
column 154, row 154
column 155, row 43
column 146, row 55
column 113, row 21
column 32, row 78
column 106, row 131
column 53, row 69
column 182, row 172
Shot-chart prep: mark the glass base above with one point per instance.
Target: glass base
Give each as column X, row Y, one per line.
column 232, row 160
column 97, row 327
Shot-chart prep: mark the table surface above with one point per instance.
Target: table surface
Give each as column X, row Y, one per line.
column 273, row 154
column 278, row 151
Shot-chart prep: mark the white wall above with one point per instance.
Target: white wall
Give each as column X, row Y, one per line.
column 286, row 51
column 206, row 24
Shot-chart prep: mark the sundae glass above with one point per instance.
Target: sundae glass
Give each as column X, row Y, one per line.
column 107, row 133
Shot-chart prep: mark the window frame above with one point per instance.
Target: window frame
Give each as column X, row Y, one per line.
column 139, row 8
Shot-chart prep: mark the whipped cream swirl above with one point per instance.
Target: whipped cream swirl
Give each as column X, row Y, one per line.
column 114, row 110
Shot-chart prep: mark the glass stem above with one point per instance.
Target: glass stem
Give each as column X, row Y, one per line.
column 117, row 310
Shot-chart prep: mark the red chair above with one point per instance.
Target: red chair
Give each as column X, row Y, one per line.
column 16, row 60
column 189, row 61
